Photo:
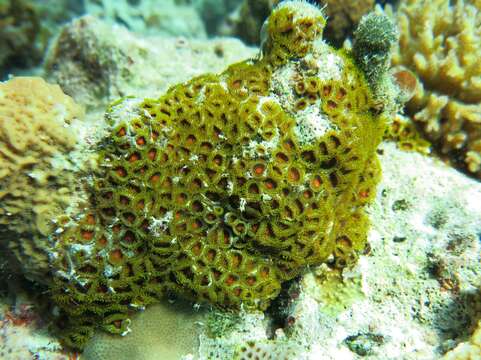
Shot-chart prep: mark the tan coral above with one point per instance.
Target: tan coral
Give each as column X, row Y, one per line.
column 170, row 329
column 441, row 43
column 470, row 350
column 35, row 176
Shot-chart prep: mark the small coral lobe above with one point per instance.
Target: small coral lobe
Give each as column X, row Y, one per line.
column 213, row 191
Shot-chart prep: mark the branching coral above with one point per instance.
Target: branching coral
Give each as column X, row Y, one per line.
column 36, row 178
column 441, row 43
column 227, row 185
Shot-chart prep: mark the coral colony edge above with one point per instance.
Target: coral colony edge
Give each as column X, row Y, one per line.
column 248, row 201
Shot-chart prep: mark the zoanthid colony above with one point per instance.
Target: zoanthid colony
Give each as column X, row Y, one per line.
column 226, row 186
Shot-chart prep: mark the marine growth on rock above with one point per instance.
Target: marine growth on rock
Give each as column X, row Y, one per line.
column 226, row 186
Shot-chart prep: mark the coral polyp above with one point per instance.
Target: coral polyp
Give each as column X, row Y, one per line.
column 226, row 186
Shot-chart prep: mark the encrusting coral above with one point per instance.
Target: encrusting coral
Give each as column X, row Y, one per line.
column 36, row 177
column 168, row 329
column 441, row 43
column 226, row 186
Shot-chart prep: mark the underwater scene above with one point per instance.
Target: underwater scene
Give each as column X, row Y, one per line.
column 240, row 180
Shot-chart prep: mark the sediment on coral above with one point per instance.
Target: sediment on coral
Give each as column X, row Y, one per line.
column 226, row 186
column 37, row 174
column 440, row 42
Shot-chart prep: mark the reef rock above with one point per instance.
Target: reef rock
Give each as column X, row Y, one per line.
column 107, row 67
column 149, row 17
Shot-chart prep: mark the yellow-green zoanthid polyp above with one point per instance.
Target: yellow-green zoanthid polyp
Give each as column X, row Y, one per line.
column 227, row 185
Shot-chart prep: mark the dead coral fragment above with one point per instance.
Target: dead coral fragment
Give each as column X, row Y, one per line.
column 223, row 188
column 441, row 43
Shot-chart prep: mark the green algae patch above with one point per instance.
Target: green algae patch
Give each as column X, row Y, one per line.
column 226, row 186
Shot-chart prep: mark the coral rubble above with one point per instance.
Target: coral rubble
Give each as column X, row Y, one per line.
column 441, row 43
column 226, row 186
column 37, row 181
column 23, row 334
